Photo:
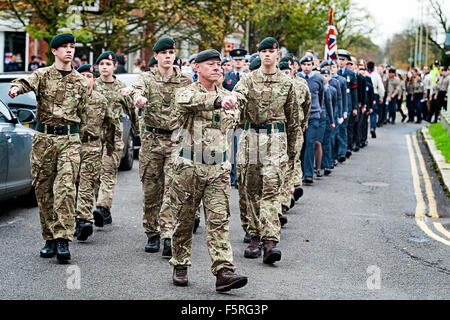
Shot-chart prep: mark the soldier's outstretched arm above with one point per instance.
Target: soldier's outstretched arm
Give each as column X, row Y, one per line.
column 188, row 100
column 25, row 85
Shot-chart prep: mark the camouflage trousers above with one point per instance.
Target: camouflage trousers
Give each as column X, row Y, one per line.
column 155, row 166
column 54, row 163
column 262, row 161
column 108, row 176
column 90, row 166
column 293, row 177
column 192, row 184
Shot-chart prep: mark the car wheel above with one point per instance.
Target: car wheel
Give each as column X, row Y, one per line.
column 127, row 161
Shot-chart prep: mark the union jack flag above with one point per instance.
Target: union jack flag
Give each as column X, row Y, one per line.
column 331, row 46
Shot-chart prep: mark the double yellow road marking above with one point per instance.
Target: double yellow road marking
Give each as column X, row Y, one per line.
column 421, row 215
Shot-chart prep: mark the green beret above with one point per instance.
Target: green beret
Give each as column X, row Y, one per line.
column 108, row 55
column 61, row 39
column 208, row 55
column 152, row 61
column 255, row 64
column 86, row 68
column 268, row 43
column 287, row 58
column 284, row 65
column 164, row 44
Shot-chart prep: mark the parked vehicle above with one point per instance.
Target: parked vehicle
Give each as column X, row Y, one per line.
column 28, row 102
column 15, row 148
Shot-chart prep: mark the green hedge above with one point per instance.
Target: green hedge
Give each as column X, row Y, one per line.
column 441, row 139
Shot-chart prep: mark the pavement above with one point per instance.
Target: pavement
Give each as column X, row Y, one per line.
column 376, row 229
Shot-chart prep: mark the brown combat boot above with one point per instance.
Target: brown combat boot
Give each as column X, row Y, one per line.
column 271, row 252
column 253, row 250
column 180, row 277
column 227, row 280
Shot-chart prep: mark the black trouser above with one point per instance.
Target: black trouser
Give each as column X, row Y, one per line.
column 353, row 130
column 399, row 108
column 411, row 107
column 382, row 112
column 364, row 127
column 437, row 105
column 418, row 105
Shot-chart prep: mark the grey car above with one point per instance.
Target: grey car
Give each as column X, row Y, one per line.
column 28, row 102
column 15, row 148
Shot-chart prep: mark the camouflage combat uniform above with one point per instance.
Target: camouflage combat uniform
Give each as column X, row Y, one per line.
column 97, row 119
column 110, row 164
column 202, row 172
column 294, row 175
column 155, row 155
column 267, row 147
column 55, row 154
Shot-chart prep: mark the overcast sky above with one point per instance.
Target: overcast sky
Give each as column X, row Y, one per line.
column 393, row 16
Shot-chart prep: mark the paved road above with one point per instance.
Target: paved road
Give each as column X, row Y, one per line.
column 357, row 234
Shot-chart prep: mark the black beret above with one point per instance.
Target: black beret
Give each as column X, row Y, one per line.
column 225, row 60
column 325, row 71
column 61, row 39
column 178, row 61
column 306, row 59
column 255, row 64
column 152, row 61
column 268, row 43
column 325, row 63
column 108, row 55
column 238, row 54
column 208, row 55
column 287, row 58
column 86, row 68
column 164, row 44
column 284, row 65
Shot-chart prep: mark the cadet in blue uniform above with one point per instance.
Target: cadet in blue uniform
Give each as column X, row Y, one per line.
column 345, row 141
column 315, row 84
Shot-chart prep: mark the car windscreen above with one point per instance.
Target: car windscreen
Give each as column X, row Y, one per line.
column 27, row 100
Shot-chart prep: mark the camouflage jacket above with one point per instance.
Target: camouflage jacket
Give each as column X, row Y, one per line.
column 204, row 128
column 97, row 119
column 118, row 103
column 60, row 100
column 304, row 100
column 159, row 111
column 267, row 99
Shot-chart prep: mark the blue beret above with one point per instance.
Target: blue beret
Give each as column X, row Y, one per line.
column 61, row 39
column 225, row 60
column 325, row 63
column 325, row 71
column 306, row 59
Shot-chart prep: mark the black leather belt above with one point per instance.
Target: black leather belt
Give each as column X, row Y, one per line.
column 266, row 128
column 198, row 157
column 58, row 130
column 89, row 139
column 159, row 131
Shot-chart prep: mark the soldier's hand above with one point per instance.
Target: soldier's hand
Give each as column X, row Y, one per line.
column 345, row 116
column 140, row 102
column 370, row 111
column 13, row 92
column 332, row 126
column 355, row 112
column 229, row 102
column 125, row 91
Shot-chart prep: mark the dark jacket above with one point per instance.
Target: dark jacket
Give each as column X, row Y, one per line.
column 352, row 88
column 121, row 64
column 315, row 84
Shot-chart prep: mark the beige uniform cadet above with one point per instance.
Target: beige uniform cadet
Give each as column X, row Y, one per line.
column 110, row 164
column 159, row 122
column 55, row 155
column 267, row 147
column 294, row 175
column 98, row 120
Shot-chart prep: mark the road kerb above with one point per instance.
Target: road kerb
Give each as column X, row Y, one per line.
column 444, row 167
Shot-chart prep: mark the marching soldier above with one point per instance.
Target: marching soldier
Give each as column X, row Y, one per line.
column 96, row 119
column 61, row 94
column 109, row 86
column 206, row 113
column 267, row 147
column 154, row 93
